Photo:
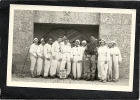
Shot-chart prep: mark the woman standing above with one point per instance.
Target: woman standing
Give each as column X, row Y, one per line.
column 103, row 57
column 116, row 60
column 33, row 56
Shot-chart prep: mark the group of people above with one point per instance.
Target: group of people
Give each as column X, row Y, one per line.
column 86, row 61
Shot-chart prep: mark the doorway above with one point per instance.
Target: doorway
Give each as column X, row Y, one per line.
column 72, row 31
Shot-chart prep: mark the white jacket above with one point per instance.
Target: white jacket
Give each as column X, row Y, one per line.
column 47, row 50
column 33, row 49
column 40, row 50
column 116, row 51
column 55, row 48
column 76, row 51
column 103, row 53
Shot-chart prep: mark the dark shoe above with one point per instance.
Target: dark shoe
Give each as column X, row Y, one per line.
column 115, row 80
column 46, row 77
column 37, row 76
column 52, row 77
column 87, row 79
column 104, row 81
column 32, row 75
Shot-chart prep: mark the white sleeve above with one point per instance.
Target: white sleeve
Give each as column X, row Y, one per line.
column 71, row 52
column 108, row 55
column 45, row 51
column 39, row 51
column 32, row 50
column 52, row 49
column 119, row 55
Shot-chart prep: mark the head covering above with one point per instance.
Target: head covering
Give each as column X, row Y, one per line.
column 84, row 41
column 78, row 40
column 42, row 40
column 102, row 40
column 35, row 39
column 64, row 38
column 113, row 42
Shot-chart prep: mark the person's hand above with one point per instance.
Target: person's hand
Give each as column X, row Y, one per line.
column 71, row 59
column 119, row 62
column 79, row 61
column 53, row 57
column 106, row 62
column 60, row 59
column 48, row 58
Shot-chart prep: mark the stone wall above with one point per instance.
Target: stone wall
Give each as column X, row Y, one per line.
column 111, row 27
column 117, row 27
column 22, row 37
column 66, row 17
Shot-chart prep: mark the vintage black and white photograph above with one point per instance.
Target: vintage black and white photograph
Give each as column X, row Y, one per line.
column 71, row 47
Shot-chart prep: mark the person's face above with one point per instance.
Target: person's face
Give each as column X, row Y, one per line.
column 92, row 39
column 50, row 41
column 83, row 44
column 60, row 40
column 109, row 45
column 102, row 43
column 113, row 44
column 65, row 40
column 76, row 43
column 36, row 41
column 43, row 42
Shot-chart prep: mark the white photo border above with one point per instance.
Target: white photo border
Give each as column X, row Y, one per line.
column 13, row 7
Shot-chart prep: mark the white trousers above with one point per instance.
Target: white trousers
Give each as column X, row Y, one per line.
column 109, row 76
column 66, row 63
column 115, row 67
column 76, row 67
column 47, row 65
column 102, row 70
column 33, row 63
column 54, row 64
column 39, row 66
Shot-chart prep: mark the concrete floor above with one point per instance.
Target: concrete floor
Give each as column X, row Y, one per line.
column 121, row 82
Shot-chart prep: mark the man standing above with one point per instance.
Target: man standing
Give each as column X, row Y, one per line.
column 33, row 56
column 90, row 59
column 66, row 56
column 55, row 57
column 48, row 57
column 77, row 60
column 40, row 53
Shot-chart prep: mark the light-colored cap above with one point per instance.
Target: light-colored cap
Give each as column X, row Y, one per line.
column 113, row 42
column 42, row 39
column 35, row 39
column 78, row 40
column 84, row 41
column 102, row 40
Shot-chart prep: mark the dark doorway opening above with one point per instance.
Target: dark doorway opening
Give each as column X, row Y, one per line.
column 72, row 31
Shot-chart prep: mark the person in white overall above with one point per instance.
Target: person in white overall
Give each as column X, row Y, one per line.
column 66, row 56
column 40, row 61
column 48, row 57
column 55, row 57
column 83, row 47
column 103, row 57
column 116, row 60
column 109, row 73
column 33, row 56
column 77, row 60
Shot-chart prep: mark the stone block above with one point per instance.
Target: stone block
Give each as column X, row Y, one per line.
column 23, row 15
column 66, row 17
column 115, row 18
